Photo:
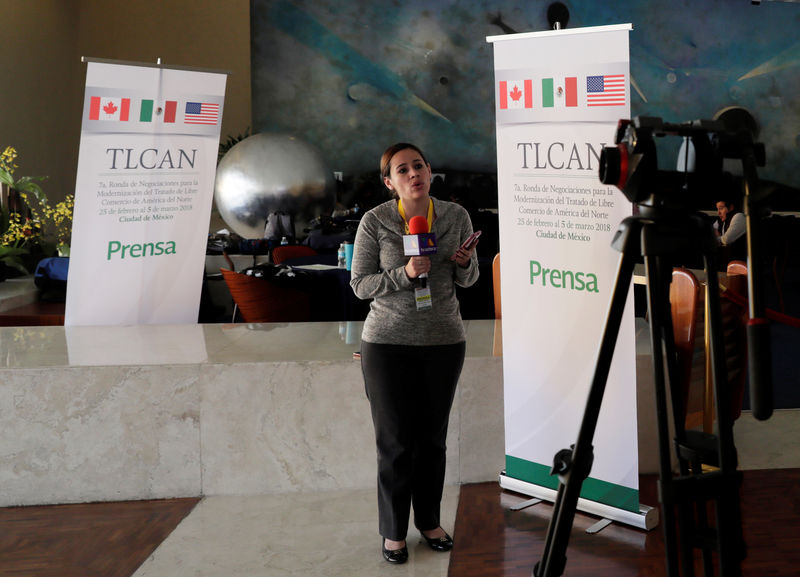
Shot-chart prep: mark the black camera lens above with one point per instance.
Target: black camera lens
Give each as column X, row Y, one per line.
column 610, row 158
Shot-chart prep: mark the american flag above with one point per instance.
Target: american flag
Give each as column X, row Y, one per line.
column 201, row 113
column 605, row 90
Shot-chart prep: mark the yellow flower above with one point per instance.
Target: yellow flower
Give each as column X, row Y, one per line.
column 20, row 225
column 48, row 221
column 7, row 160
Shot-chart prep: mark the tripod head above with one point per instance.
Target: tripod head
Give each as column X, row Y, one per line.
column 632, row 166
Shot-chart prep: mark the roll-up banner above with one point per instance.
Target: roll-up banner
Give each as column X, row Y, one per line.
column 146, row 169
column 559, row 96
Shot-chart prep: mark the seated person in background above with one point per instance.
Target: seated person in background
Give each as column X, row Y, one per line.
column 730, row 227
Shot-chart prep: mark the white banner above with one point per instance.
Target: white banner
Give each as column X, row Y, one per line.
column 143, row 194
column 559, row 97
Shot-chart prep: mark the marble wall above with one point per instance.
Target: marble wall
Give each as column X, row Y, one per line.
column 219, row 427
column 144, row 412
column 87, row 434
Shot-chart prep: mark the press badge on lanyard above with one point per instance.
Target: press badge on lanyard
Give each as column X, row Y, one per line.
column 422, row 295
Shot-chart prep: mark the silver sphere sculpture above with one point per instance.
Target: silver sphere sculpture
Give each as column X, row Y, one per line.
column 268, row 172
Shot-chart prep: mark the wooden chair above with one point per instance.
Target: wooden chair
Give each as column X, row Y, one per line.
column 734, row 325
column 694, row 365
column 496, row 286
column 497, row 345
column 259, row 300
column 685, row 301
column 737, row 267
column 283, row 252
column 701, row 422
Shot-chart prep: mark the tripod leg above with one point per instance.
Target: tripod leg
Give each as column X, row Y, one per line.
column 659, row 272
column 574, row 469
column 730, row 539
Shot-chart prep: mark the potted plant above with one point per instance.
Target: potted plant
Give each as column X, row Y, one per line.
column 55, row 222
column 20, row 229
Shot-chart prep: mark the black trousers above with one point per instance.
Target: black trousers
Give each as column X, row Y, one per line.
column 410, row 390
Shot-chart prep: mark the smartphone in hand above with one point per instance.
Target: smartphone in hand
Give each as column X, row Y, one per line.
column 469, row 243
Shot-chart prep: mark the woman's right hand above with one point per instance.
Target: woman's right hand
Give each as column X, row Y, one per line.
column 418, row 265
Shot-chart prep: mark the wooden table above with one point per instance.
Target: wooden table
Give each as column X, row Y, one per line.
column 33, row 314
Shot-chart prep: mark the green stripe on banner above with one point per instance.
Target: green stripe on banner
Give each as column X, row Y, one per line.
column 547, row 92
column 146, row 112
column 593, row 489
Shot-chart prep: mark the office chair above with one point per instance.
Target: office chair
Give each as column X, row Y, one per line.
column 259, row 300
column 286, row 251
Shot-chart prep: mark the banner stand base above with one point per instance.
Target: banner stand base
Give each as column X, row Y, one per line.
column 647, row 517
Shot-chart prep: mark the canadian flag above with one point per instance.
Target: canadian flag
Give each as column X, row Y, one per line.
column 516, row 94
column 104, row 108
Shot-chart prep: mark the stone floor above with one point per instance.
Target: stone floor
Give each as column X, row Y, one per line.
column 335, row 533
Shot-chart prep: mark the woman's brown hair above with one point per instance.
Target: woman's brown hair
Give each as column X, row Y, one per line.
column 389, row 153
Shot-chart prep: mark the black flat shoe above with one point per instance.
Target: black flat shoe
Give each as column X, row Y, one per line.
column 444, row 543
column 396, row 556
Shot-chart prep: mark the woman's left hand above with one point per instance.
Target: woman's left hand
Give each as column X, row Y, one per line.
column 463, row 255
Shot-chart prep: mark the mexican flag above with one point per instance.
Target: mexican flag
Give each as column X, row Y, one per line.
column 560, row 92
column 148, row 112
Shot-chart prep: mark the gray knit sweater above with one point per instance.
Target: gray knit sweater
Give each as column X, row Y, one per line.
column 378, row 273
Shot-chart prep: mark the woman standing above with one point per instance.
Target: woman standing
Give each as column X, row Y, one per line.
column 411, row 355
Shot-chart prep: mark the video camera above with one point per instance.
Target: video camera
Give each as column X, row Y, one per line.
column 632, row 165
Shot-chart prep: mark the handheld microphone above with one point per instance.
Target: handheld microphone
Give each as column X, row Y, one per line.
column 419, row 242
column 419, row 225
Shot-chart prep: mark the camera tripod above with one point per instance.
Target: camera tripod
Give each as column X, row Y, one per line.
column 661, row 237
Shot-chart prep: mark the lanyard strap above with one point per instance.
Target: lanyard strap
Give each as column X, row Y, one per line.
column 403, row 214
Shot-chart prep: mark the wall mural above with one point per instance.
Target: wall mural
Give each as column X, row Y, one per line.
column 352, row 77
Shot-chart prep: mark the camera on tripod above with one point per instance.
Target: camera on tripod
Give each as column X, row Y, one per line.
column 632, row 165
column 667, row 225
